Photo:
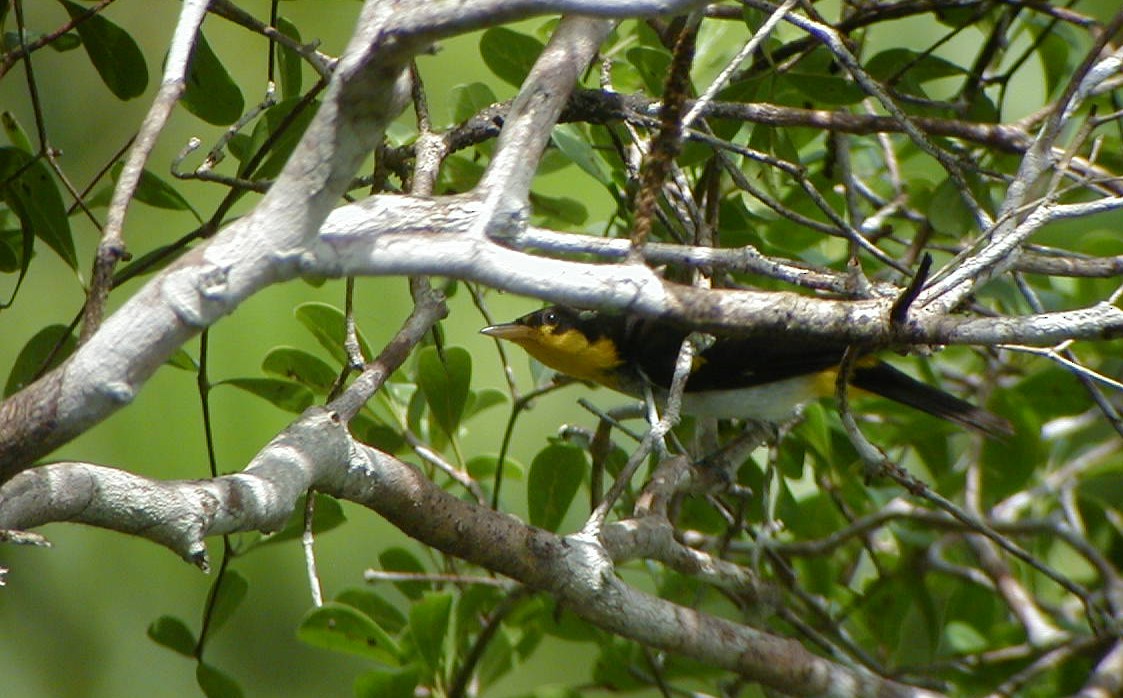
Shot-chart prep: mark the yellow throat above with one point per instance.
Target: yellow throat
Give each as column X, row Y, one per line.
column 567, row 351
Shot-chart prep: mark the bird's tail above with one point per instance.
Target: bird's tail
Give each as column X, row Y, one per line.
column 882, row 379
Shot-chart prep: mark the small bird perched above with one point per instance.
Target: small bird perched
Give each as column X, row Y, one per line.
column 763, row 378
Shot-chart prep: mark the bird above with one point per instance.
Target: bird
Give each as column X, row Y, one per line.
column 764, row 378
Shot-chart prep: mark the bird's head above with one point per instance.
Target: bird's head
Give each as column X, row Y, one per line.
column 578, row 343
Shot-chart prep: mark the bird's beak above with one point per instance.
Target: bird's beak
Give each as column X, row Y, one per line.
column 511, row 331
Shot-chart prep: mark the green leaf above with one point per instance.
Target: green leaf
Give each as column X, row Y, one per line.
column 826, row 89
column 156, row 192
column 287, row 395
column 173, row 633
column 216, row 684
column 228, row 592
column 47, row 349
column 35, row 198
column 402, row 560
column 211, row 94
column 326, row 324
column 577, row 147
column 289, row 63
column 445, row 383
column 11, row 40
column 387, row 683
column 116, row 57
column 15, row 132
column 497, row 660
column 460, row 173
column 372, row 433
column 11, row 251
column 560, row 209
column 337, row 627
column 480, row 400
column 468, row 100
column 328, row 514
column 428, row 623
column 484, row 467
column 652, row 65
column 182, row 360
column 284, row 125
column 918, row 67
column 555, row 475
column 961, row 638
column 509, row 54
column 300, row 366
column 947, row 212
column 377, row 608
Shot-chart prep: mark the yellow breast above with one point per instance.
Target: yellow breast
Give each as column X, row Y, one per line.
column 570, row 352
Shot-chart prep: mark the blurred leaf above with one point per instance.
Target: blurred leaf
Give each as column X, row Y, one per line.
column 445, row 383
column 918, row 67
column 287, row 395
column 60, row 44
column 114, row 54
column 337, row 627
column 460, row 173
column 228, row 592
column 483, row 467
column 300, row 366
column 961, row 638
column 12, row 251
column 1106, row 488
column 577, row 147
column 401, row 560
column 155, row 191
column 816, row 431
column 211, row 94
column 947, row 212
column 615, row 667
column 380, row 436
column 289, row 63
column 469, row 100
column 827, row 90
column 814, row 516
column 387, row 683
column 560, row 209
column 36, row 356
column 509, row 54
column 377, row 608
column 480, row 400
column 328, row 514
column 216, row 684
column 555, row 476
column 497, row 660
column 1011, row 463
column 959, row 16
column 15, row 132
column 652, row 65
column 284, row 125
column 428, row 624
column 35, row 198
column 326, row 323
column 173, row 633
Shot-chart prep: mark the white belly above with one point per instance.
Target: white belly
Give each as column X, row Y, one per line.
column 771, row 402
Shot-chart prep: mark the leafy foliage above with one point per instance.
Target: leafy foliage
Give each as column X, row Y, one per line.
column 802, row 176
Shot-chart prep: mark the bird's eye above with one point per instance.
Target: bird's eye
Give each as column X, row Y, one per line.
column 549, row 318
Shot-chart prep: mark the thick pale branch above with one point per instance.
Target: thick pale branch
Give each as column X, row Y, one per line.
column 180, row 514
column 505, row 185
